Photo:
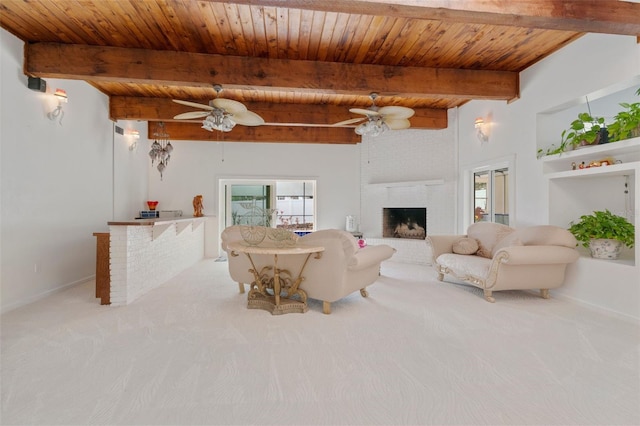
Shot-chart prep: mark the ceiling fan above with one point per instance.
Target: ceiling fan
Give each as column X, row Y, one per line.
column 220, row 114
column 377, row 120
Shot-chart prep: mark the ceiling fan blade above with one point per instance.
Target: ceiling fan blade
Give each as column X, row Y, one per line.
column 364, row 111
column 193, row 104
column 349, row 121
column 192, row 114
column 397, row 123
column 247, row 118
column 396, row 111
column 231, row 106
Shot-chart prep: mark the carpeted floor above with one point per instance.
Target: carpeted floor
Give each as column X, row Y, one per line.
column 416, row 352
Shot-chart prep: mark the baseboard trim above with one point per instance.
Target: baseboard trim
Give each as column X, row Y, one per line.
column 35, row 298
column 600, row 309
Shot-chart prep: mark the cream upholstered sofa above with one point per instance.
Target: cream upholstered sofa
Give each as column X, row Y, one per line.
column 497, row 257
column 343, row 268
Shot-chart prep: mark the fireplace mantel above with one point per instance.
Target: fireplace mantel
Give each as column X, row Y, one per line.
column 407, row 183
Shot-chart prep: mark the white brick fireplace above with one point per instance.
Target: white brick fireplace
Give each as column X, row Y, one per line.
column 409, row 168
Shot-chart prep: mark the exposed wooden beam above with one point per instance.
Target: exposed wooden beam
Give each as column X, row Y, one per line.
column 595, row 16
column 101, row 63
column 273, row 134
column 162, row 109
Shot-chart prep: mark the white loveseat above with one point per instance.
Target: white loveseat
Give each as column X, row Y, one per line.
column 497, row 257
column 343, row 268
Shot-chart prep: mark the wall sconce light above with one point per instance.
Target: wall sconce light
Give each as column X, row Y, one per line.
column 482, row 130
column 133, row 136
column 61, row 95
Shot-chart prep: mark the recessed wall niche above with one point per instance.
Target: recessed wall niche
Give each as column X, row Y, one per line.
column 603, row 103
column 575, row 189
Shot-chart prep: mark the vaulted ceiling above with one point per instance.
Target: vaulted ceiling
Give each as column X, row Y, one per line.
column 300, row 64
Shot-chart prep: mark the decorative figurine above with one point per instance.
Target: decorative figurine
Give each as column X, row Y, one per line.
column 197, row 206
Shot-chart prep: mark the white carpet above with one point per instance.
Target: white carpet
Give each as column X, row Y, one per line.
column 416, row 351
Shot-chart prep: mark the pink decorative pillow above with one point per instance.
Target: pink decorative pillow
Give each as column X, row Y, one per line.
column 465, row 246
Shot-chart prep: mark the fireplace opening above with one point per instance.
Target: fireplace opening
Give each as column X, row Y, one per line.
column 404, row 222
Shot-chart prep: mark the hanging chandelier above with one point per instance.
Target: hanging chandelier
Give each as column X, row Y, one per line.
column 161, row 147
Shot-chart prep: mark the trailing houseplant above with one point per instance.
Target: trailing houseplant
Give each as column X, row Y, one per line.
column 603, row 225
column 584, row 130
column 626, row 124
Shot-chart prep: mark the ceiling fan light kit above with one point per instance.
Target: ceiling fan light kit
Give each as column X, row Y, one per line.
column 374, row 126
column 221, row 114
column 379, row 120
column 218, row 120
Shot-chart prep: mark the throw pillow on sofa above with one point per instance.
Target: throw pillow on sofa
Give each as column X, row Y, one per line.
column 488, row 234
column 465, row 246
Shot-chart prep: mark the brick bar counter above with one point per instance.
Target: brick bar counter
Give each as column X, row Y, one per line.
column 145, row 253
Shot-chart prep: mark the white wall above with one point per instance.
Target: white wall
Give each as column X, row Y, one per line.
column 56, row 181
column 196, row 167
column 130, row 182
column 585, row 66
column 57, row 184
column 582, row 67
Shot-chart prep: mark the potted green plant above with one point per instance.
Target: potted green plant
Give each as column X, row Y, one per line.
column 626, row 124
column 585, row 130
column 604, row 233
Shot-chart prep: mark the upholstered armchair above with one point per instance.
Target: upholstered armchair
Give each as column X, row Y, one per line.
column 343, row 268
column 497, row 257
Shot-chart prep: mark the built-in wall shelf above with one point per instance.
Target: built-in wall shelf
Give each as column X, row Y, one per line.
column 611, row 284
column 625, row 260
column 626, row 151
column 407, row 183
column 625, row 169
column 615, row 187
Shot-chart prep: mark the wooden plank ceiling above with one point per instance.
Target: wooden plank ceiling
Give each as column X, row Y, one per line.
column 300, row 64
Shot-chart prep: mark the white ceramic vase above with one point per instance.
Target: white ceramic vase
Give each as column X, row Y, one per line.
column 605, row 248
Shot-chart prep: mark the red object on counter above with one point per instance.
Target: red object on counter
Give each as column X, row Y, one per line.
column 152, row 205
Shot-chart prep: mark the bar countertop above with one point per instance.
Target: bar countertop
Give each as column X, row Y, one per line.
column 155, row 221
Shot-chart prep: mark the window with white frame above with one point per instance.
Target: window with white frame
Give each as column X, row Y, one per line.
column 289, row 204
column 491, row 195
column 295, row 205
